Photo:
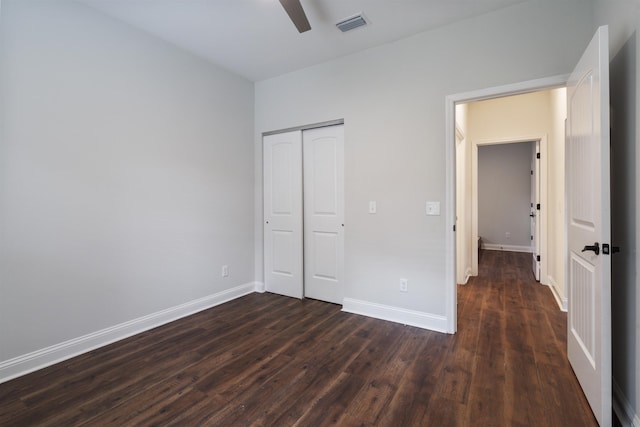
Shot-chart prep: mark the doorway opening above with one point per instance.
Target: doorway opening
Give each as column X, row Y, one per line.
column 488, row 117
column 489, row 217
column 508, row 194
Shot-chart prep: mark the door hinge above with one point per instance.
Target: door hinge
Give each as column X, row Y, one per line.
column 538, row 258
column 531, row 172
column 531, row 237
column 454, row 228
column 538, row 206
column 537, row 155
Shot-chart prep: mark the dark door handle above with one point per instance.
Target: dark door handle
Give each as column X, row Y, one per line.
column 595, row 248
column 532, row 215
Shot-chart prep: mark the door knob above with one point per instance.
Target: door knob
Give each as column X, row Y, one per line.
column 595, row 248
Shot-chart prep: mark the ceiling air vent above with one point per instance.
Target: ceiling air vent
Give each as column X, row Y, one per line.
column 352, row 23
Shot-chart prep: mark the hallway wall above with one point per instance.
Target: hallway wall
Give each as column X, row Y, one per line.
column 504, row 195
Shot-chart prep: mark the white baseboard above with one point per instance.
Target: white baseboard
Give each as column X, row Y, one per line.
column 623, row 409
column 260, row 288
column 467, row 275
column 395, row 314
column 42, row 358
column 507, row 248
column 562, row 302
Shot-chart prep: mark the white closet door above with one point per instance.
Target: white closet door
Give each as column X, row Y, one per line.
column 323, row 150
column 283, row 214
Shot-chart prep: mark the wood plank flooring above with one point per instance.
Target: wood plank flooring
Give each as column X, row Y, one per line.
column 267, row 360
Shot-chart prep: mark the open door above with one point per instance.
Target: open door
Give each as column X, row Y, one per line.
column 589, row 228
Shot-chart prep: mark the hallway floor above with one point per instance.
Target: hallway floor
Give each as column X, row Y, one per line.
column 512, row 333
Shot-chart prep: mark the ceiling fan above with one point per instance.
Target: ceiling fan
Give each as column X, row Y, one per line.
column 297, row 15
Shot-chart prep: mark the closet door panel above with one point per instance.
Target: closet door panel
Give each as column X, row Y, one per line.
column 283, row 247
column 323, row 152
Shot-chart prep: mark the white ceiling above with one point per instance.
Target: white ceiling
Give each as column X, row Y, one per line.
column 256, row 39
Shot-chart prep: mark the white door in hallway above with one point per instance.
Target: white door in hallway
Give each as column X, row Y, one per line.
column 323, row 151
column 535, row 212
column 589, row 228
column 282, row 154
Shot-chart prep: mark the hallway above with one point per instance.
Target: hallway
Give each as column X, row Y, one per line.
column 512, row 334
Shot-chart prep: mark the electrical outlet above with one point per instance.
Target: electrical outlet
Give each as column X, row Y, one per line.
column 404, row 285
column 507, row 235
column 225, row 271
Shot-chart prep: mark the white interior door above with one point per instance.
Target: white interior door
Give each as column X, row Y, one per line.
column 589, row 228
column 283, row 213
column 462, row 252
column 323, row 150
column 535, row 212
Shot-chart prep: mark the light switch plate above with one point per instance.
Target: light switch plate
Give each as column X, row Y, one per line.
column 433, row 208
column 372, row 207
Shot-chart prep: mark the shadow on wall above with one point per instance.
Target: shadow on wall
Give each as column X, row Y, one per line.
column 623, row 216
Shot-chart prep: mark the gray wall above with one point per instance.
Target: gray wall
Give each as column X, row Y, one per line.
column 126, row 175
column 504, row 194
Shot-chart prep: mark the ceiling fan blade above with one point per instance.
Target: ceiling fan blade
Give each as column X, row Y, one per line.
column 297, row 15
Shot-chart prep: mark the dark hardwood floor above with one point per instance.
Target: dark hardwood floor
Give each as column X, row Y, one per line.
column 270, row 360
